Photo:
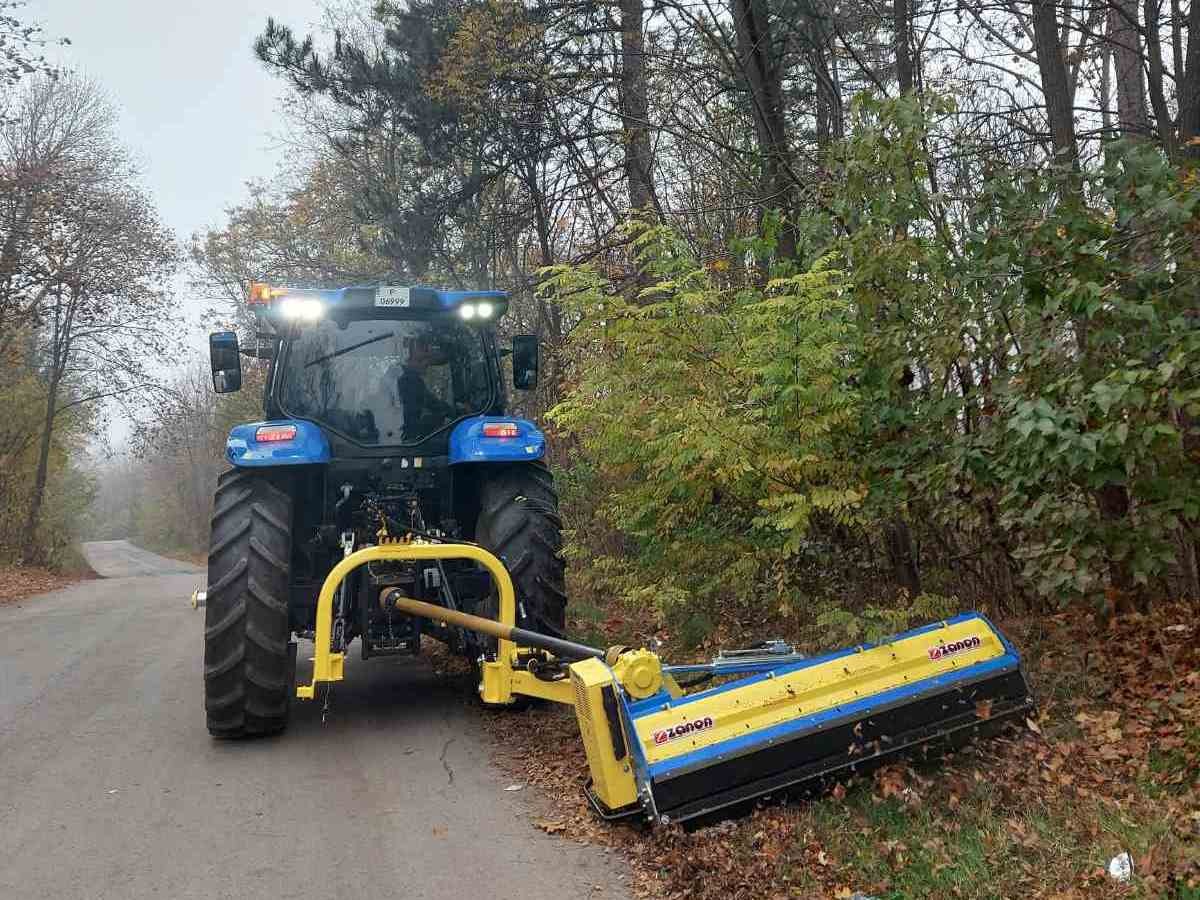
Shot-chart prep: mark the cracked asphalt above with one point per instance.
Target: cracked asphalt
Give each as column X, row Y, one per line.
column 112, row 788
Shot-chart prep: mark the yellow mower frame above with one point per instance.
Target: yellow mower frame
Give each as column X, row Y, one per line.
column 786, row 721
column 500, row 681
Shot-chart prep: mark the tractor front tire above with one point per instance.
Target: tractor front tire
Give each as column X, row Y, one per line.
column 519, row 523
column 248, row 661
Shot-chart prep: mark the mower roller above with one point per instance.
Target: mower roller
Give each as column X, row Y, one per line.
column 776, row 722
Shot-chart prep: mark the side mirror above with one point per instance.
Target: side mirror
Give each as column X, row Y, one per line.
column 525, row 361
column 226, row 361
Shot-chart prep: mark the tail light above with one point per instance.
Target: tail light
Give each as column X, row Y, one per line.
column 261, row 293
column 501, row 430
column 268, row 433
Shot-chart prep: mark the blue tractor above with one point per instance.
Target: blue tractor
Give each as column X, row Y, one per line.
column 384, row 420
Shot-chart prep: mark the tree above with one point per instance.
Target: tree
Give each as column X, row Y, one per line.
column 639, row 159
column 20, row 46
column 87, row 273
column 59, row 133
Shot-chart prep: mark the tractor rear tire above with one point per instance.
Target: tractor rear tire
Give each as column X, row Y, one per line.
column 519, row 522
column 249, row 668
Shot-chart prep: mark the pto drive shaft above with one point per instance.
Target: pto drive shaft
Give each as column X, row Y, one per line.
column 391, row 598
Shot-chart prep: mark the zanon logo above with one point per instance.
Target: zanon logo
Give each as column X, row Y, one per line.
column 677, row 731
column 941, row 651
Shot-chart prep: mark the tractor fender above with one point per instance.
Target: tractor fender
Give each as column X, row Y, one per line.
column 245, row 450
column 469, row 443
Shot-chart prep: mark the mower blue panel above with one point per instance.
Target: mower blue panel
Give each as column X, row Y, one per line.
column 307, row 445
column 496, row 439
column 808, row 721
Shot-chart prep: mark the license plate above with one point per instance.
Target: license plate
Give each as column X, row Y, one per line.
column 386, row 295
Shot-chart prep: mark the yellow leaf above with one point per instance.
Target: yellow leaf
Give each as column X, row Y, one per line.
column 549, row 826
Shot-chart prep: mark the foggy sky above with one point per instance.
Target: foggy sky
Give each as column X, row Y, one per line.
column 197, row 111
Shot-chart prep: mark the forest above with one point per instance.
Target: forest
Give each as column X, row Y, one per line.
column 84, row 263
column 899, row 300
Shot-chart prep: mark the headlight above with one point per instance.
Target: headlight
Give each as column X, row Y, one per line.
column 481, row 310
column 301, row 308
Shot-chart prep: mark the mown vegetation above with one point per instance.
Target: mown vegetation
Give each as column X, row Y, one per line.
column 1108, row 767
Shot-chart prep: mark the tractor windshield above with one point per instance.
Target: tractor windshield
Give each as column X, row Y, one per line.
column 385, row 381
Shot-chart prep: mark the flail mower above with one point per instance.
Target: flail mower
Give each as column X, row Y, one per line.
column 388, row 556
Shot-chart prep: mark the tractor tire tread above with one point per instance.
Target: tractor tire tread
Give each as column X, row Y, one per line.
column 232, row 535
column 247, row 673
column 519, row 522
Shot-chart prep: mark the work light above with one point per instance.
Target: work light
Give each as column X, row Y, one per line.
column 304, row 308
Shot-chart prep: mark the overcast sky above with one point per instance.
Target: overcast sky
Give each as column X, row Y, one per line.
column 197, row 109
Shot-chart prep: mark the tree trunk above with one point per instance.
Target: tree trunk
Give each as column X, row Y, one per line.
column 1106, row 125
column 1127, row 63
column 1189, row 563
column 639, row 158
column 1189, row 86
column 765, row 86
column 1055, row 83
column 1158, row 99
column 1113, row 501
column 31, row 553
column 1176, row 38
column 902, row 36
column 898, row 540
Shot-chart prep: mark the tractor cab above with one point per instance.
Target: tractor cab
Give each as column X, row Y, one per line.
column 379, row 369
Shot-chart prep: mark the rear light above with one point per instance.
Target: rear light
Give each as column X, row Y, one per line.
column 268, row 433
column 262, row 293
column 501, row 429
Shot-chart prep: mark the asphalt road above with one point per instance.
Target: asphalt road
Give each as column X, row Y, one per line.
column 110, row 787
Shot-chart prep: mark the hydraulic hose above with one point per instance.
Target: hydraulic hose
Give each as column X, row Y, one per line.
column 391, row 598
